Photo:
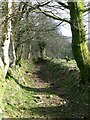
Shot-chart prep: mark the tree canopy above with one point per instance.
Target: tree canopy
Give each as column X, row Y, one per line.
column 31, row 29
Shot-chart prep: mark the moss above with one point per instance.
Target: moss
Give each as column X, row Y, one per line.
column 2, row 85
column 79, row 46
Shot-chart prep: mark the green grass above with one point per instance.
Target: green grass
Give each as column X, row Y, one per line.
column 78, row 94
column 15, row 97
column 2, row 85
column 63, row 85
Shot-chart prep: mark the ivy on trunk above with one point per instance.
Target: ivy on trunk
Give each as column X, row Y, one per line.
column 79, row 45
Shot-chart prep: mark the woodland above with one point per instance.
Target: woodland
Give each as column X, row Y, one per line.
column 44, row 73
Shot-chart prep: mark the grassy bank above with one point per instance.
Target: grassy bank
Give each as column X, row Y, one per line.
column 48, row 89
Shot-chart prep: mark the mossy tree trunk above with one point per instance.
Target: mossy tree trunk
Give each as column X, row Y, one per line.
column 6, row 35
column 2, row 88
column 79, row 45
column 26, row 50
column 42, row 46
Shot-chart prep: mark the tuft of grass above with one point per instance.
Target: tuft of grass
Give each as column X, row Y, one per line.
column 18, row 100
column 21, row 100
column 68, row 74
column 2, row 85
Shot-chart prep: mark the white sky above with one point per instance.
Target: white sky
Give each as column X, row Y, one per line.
column 66, row 30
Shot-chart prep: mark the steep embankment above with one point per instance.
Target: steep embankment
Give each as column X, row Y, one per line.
column 45, row 90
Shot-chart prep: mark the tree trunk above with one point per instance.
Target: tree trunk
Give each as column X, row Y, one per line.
column 79, row 46
column 42, row 53
column 2, row 85
column 6, row 43
column 19, row 52
column 26, row 50
column 7, row 38
column 13, row 54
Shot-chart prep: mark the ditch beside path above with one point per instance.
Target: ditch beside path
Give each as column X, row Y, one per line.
column 37, row 92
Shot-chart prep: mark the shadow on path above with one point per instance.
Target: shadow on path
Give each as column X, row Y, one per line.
column 54, row 74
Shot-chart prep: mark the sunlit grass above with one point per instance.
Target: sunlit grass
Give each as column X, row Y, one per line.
column 63, row 86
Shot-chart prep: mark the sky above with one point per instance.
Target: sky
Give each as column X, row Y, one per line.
column 66, row 30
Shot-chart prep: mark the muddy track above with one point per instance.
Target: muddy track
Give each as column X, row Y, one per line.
column 49, row 93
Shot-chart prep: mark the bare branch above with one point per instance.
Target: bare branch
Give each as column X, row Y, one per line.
column 41, row 5
column 64, row 5
column 51, row 28
column 86, row 10
column 87, row 7
column 54, row 17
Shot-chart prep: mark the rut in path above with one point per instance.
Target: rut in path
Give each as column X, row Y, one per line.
column 52, row 95
column 38, row 93
column 49, row 93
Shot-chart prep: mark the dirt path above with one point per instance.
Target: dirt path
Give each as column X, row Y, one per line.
column 51, row 97
column 42, row 93
column 36, row 76
column 49, row 93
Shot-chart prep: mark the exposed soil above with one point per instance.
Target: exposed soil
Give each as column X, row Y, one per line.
column 40, row 93
column 49, row 92
column 51, row 95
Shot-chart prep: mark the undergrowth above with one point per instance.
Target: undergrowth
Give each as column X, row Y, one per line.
column 63, row 78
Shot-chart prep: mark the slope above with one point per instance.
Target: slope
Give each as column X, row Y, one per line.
column 48, row 89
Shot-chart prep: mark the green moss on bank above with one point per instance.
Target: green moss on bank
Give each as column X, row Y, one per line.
column 23, row 98
column 2, row 85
